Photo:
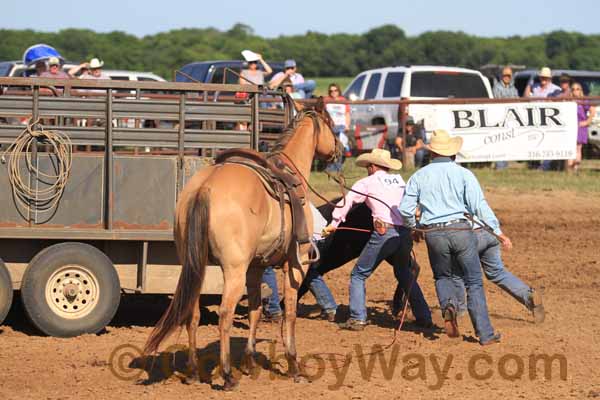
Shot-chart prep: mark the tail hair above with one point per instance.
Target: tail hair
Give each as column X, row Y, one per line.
column 193, row 258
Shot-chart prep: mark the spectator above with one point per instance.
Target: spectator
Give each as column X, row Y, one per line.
column 503, row 89
column 40, row 68
column 304, row 88
column 340, row 114
column 564, row 87
column 288, row 88
column 544, row 88
column 91, row 70
column 252, row 75
column 54, row 70
column 415, row 145
column 585, row 115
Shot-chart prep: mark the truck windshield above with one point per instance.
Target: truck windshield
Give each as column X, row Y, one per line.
column 5, row 68
column 355, row 88
column 590, row 84
column 447, row 84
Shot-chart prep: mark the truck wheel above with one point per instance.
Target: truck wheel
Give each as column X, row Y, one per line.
column 6, row 291
column 69, row 289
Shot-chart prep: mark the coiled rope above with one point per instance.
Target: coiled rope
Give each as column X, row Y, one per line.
column 27, row 191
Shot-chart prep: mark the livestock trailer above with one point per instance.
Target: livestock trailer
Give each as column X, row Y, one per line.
column 91, row 171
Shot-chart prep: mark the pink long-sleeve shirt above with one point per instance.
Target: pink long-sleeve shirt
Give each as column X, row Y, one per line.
column 387, row 187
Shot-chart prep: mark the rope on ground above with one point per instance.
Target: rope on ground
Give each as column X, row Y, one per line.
column 27, row 192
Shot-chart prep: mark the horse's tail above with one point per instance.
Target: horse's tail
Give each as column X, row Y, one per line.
column 194, row 257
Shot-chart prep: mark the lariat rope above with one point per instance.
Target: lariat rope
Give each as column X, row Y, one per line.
column 29, row 195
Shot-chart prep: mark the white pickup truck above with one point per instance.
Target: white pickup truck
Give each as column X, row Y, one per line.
column 408, row 82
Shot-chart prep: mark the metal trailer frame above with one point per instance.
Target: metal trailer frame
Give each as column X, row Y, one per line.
column 101, row 204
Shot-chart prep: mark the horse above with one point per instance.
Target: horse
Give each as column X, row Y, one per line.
column 225, row 215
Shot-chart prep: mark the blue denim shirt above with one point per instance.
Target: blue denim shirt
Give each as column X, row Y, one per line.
column 445, row 191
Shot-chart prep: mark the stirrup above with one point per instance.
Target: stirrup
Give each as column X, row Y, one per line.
column 310, row 260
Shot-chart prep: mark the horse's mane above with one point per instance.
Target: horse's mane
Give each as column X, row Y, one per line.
column 288, row 132
column 314, row 112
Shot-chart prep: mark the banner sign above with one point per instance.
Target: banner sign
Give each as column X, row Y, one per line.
column 507, row 131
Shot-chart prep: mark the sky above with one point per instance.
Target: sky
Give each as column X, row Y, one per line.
column 271, row 18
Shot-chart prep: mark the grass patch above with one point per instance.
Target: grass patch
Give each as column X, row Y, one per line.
column 323, row 84
column 517, row 179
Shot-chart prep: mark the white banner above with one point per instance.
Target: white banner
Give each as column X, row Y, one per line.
column 508, row 131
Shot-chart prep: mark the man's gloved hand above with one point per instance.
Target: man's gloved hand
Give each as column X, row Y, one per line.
column 328, row 230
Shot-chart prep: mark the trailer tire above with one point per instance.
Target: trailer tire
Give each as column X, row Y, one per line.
column 70, row 289
column 6, row 291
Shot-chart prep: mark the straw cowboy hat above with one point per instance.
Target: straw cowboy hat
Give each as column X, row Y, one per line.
column 378, row 157
column 443, row 144
column 95, row 63
column 545, row 73
column 53, row 61
column 250, row 56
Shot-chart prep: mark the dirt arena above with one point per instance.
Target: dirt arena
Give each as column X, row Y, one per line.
column 557, row 249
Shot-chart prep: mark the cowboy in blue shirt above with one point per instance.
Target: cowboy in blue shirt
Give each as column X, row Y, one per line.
column 444, row 192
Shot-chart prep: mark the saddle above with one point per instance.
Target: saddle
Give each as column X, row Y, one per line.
column 283, row 182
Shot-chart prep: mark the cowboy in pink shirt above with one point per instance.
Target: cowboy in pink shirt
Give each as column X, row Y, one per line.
column 382, row 185
column 389, row 241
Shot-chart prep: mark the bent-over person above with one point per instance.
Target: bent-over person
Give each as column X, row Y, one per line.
column 444, row 192
column 390, row 240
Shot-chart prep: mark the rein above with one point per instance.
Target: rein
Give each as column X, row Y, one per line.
column 340, row 179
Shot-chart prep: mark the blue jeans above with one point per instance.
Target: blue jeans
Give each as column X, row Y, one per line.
column 394, row 246
column 501, row 164
column 493, row 268
column 546, row 165
column 306, row 88
column 316, row 284
column 419, row 157
column 453, row 255
column 319, row 289
column 337, row 166
column 271, row 306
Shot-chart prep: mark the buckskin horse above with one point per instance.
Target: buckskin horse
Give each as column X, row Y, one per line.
column 236, row 215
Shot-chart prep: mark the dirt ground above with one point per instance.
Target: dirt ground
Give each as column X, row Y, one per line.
column 557, row 249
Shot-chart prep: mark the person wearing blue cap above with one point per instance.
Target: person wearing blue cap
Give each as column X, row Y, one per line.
column 305, row 88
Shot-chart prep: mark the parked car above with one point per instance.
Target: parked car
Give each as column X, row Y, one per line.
column 122, row 75
column 215, row 71
column 17, row 69
column 594, row 130
column 409, row 82
column 589, row 80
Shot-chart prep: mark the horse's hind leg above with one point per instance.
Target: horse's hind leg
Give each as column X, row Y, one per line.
column 235, row 281
column 192, row 328
column 293, row 279
column 253, row 281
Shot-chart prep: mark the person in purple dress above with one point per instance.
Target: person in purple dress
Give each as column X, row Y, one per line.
column 585, row 115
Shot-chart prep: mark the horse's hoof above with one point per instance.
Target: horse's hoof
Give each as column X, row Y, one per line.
column 301, row 379
column 230, row 385
column 248, row 364
column 191, row 380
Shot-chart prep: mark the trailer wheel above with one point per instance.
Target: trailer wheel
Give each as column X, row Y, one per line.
column 6, row 291
column 69, row 289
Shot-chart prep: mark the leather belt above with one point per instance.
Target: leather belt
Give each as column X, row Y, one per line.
column 443, row 224
column 381, row 227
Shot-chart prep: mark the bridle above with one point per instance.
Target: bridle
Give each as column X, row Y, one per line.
column 334, row 157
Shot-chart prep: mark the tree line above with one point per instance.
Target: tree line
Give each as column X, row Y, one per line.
column 318, row 54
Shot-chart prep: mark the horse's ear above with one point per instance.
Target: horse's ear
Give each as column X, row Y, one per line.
column 298, row 106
